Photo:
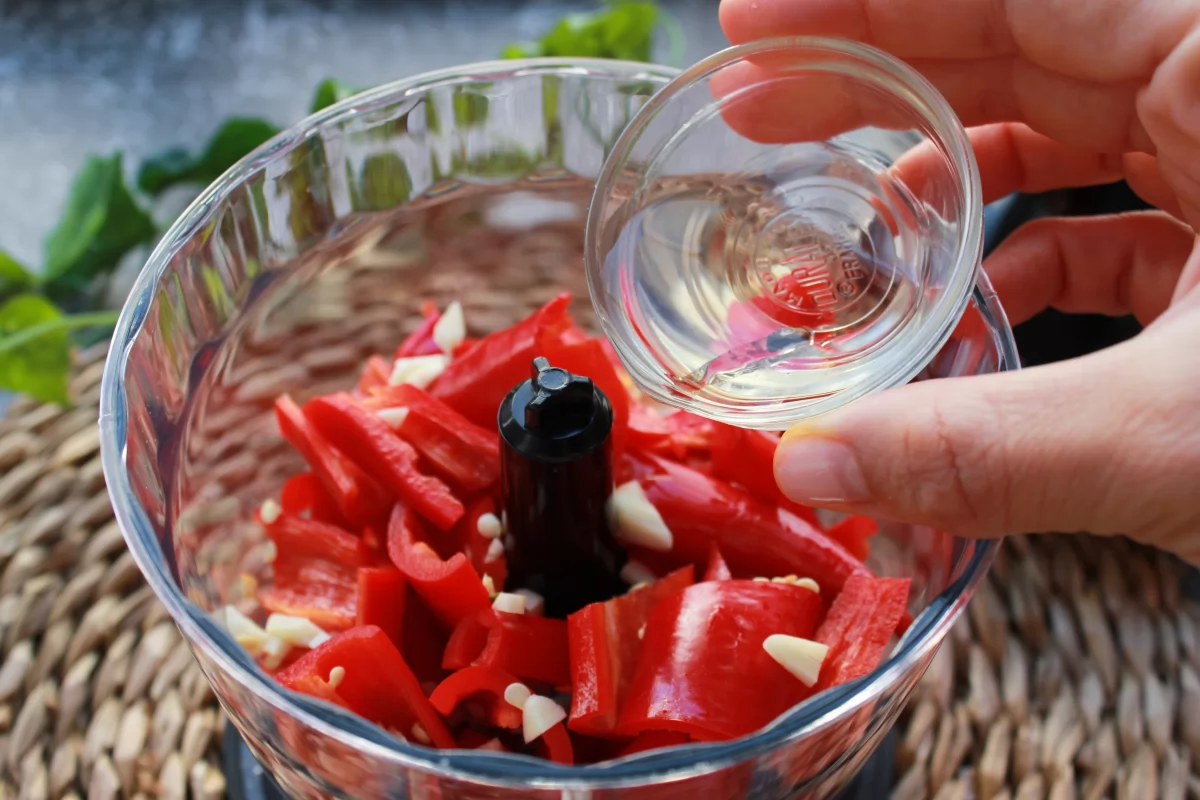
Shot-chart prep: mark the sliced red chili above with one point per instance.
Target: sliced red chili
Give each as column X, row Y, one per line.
column 703, row 670
column 359, row 498
column 375, row 683
column 420, row 342
column 376, row 448
column 381, row 595
column 375, row 374
column 452, row 589
column 532, row 648
column 604, row 642
column 854, row 533
column 487, row 559
column 747, row 458
column 859, row 625
column 654, row 740
column 717, row 569
column 303, row 493
column 461, row 451
column 483, row 688
column 316, row 572
column 475, row 382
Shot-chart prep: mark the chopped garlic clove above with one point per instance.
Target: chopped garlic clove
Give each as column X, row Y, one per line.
column 296, row 630
column 494, row 551
column 539, row 715
column 810, row 584
column 245, row 631
column 493, row 745
column 509, row 603
column 275, row 651
column 394, row 417
column 801, row 657
column 417, row 371
column 451, row 328
column 517, row 694
column 535, row 604
column 419, row 734
column 635, row 572
column 489, row 526
column 489, row 585
column 336, row 675
column 269, row 512
column 636, row 520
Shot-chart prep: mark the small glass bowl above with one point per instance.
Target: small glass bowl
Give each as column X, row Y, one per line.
column 315, row 252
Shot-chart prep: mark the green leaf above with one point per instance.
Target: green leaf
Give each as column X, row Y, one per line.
column 330, row 91
column 35, row 350
column 621, row 29
column 232, row 141
column 101, row 223
column 470, row 107
column 13, row 277
column 385, row 183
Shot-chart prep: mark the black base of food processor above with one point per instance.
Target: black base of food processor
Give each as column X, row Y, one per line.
column 247, row 780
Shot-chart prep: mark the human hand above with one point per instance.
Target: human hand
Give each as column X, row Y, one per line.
column 1056, row 94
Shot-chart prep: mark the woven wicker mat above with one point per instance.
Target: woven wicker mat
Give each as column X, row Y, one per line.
column 1073, row 675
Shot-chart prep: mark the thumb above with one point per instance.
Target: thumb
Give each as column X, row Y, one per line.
column 1084, row 445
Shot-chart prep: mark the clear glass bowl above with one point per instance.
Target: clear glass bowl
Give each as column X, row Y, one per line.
column 315, row 252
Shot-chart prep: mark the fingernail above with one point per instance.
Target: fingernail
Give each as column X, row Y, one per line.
column 814, row 469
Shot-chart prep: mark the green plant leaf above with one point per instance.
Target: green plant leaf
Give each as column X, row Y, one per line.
column 384, row 184
column 35, row 349
column 101, row 223
column 232, row 141
column 622, row 29
column 470, row 107
column 13, row 277
column 328, row 92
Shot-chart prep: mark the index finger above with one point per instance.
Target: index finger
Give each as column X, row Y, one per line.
column 1095, row 40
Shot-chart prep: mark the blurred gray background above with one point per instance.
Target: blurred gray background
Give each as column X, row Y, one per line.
column 96, row 76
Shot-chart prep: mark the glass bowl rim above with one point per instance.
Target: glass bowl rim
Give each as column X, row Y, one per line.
column 497, row 769
column 917, row 347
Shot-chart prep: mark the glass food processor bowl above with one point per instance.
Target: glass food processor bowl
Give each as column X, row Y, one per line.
column 316, row 251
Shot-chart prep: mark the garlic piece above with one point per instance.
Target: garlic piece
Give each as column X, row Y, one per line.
column 394, row 417
column 419, row 733
column 535, row 604
column 510, row 603
column 635, row 572
column 275, row 651
column 245, row 631
column 636, row 520
column 539, row 715
column 269, row 512
column 451, row 328
column 336, row 675
column 417, row 371
column 489, row 526
column 296, row 630
column 494, row 551
column 517, row 694
column 489, row 585
column 801, row 657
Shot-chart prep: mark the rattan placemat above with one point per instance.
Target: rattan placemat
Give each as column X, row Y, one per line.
column 1075, row 674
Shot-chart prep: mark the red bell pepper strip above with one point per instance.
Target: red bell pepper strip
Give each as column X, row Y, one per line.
column 654, row 740
column 375, row 374
column 359, row 498
column 376, row 683
column 475, row 382
column 477, row 547
column 315, row 572
column 604, row 644
column 854, row 533
column 424, row 641
column 532, row 648
column 376, row 448
column 717, row 569
column 304, row 494
column 381, row 595
column 454, row 446
column 747, row 458
column 677, row 435
column 452, row 589
column 420, row 341
column 859, row 625
column 703, row 670
column 755, row 539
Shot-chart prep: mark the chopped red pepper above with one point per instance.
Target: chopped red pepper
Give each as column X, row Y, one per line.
column 424, row 640
column 454, row 446
column 375, row 683
column 755, row 539
column 703, row 670
column 477, row 547
column 375, row 374
column 376, row 448
column 420, row 342
column 359, row 498
column 717, row 569
column 381, row 595
column 452, row 589
column 854, row 533
column 859, row 625
column 678, row 435
column 315, row 572
column 475, row 382
column 653, row 740
column 532, row 648
column 303, row 493
column 605, row 645
column 747, row 458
